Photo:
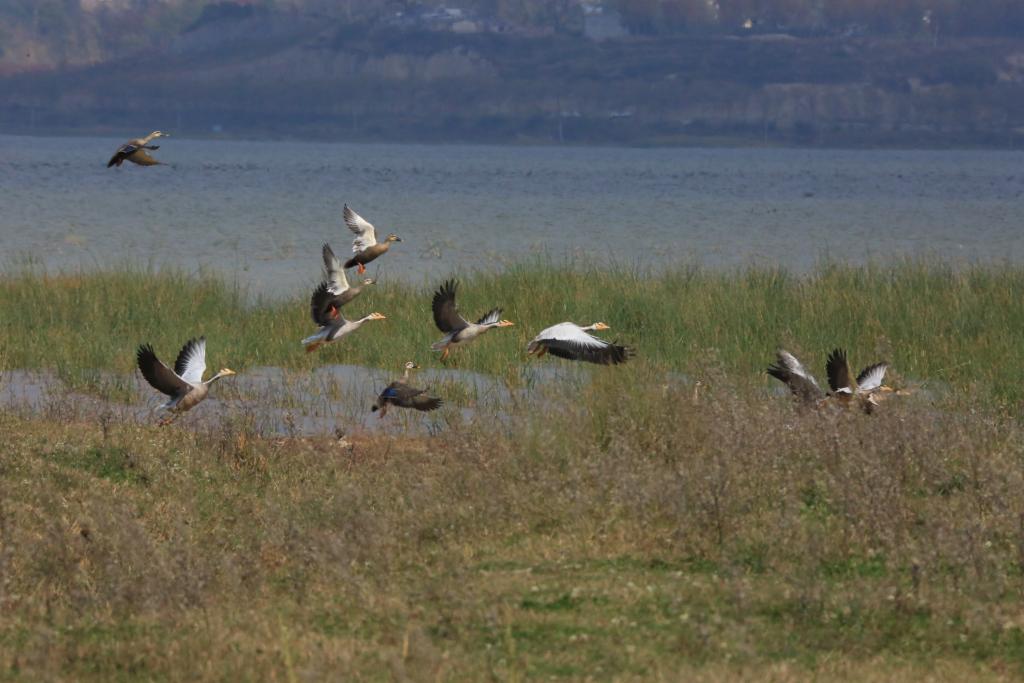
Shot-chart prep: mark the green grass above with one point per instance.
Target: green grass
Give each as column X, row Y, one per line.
column 637, row 532
column 961, row 328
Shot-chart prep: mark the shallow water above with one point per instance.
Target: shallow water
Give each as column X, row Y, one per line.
column 260, row 210
column 332, row 399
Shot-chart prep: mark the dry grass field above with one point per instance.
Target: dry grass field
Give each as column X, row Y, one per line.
column 633, row 527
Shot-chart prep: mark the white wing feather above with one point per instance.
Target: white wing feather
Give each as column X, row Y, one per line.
column 366, row 234
column 195, row 363
column 570, row 332
column 789, row 361
column 873, row 379
column 335, row 272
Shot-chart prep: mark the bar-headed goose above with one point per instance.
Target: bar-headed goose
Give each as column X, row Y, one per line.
column 325, row 310
column 457, row 329
column 400, row 394
column 845, row 386
column 135, row 151
column 184, row 384
column 365, row 246
column 337, row 283
column 571, row 341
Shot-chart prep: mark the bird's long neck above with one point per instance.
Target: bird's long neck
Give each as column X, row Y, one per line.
column 148, row 138
column 214, row 378
column 405, row 376
column 589, row 328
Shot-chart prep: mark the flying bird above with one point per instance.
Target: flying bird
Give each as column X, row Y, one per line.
column 365, row 246
column 791, row 372
column 135, row 151
column 184, row 384
column 457, row 329
column 844, row 388
column 571, row 341
column 337, row 283
column 400, row 394
column 325, row 310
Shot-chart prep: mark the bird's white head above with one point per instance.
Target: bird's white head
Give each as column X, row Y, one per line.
column 411, row 365
column 369, row 281
column 376, row 316
column 226, row 372
column 393, row 238
column 159, row 134
column 601, row 326
column 505, row 323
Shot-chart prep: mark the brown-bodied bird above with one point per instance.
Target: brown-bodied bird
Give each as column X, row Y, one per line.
column 569, row 340
column 135, row 151
column 457, row 329
column 325, row 310
column 365, row 246
column 184, row 384
column 400, row 394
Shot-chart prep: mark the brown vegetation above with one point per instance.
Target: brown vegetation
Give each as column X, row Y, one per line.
column 636, row 533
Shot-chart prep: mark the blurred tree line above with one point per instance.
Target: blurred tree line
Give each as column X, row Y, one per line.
column 906, row 17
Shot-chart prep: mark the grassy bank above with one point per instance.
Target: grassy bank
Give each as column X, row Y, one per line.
column 638, row 532
column 961, row 329
column 633, row 535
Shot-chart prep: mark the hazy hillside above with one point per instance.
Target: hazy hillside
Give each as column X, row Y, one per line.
column 500, row 71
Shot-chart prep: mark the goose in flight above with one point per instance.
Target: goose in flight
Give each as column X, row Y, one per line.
column 571, row 341
column 337, row 283
column 400, row 394
column 135, row 151
column 457, row 329
column 365, row 246
column 844, row 387
column 184, row 384
column 324, row 308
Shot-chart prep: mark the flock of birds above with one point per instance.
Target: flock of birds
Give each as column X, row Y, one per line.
column 185, row 387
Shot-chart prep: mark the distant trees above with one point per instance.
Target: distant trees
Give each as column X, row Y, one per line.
column 904, row 17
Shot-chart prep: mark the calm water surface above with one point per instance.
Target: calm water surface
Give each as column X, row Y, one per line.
column 260, row 210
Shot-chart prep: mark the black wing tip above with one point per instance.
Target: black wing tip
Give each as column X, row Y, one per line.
column 374, row 408
column 145, row 350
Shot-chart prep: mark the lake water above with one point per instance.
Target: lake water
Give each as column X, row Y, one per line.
column 260, row 210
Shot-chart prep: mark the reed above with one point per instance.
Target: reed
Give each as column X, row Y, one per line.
column 956, row 329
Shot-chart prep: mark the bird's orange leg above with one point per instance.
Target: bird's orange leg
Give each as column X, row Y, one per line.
column 447, row 350
column 360, row 268
column 310, row 348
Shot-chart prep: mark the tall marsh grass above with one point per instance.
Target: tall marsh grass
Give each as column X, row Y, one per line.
column 961, row 328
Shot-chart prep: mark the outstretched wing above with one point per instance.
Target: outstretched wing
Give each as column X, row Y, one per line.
column 191, row 362
column 323, row 306
column 568, row 340
column 336, row 280
column 159, row 376
column 838, row 369
column 122, row 152
column 366, row 234
column 492, row 316
column 870, row 378
column 794, row 375
column 446, row 313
